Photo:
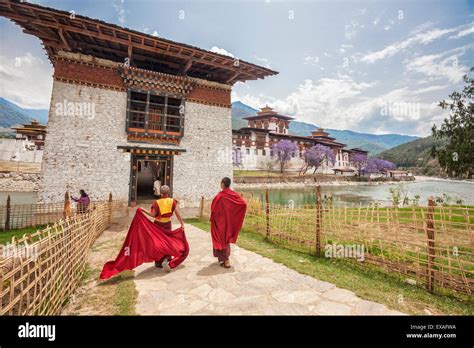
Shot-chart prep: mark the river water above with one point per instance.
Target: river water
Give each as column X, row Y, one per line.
column 364, row 194
column 18, row 197
column 342, row 195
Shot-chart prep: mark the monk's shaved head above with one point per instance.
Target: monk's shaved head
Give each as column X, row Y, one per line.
column 165, row 190
column 226, row 182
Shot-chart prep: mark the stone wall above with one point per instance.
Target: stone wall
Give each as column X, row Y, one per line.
column 81, row 145
column 208, row 157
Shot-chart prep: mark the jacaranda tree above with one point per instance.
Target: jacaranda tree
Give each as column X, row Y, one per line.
column 316, row 156
column 283, row 151
column 376, row 165
column 358, row 160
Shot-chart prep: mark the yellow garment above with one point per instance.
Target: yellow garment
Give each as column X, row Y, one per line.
column 166, row 207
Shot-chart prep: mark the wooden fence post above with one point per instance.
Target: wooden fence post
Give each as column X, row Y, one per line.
column 7, row 219
column 318, row 220
column 267, row 216
column 110, row 208
column 201, row 208
column 430, row 236
column 67, row 205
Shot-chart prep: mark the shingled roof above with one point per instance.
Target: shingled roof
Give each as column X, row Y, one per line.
column 62, row 30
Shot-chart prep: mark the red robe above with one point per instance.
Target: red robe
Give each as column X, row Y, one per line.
column 227, row 216
column 147, row 242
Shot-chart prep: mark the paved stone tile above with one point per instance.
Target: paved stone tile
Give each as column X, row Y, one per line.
column 254, row 285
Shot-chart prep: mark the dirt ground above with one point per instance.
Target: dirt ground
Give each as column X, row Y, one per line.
column 93, row 298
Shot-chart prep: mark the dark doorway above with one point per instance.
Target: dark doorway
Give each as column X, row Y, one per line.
column 147, row 174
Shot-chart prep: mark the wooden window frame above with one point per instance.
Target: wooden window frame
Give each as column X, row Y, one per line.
column 164, row 133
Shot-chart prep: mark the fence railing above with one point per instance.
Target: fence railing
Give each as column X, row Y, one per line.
column 15, row 216
column 428, row 245
column 40, row 271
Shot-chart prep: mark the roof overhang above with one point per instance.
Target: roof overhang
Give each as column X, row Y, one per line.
column 59, row 30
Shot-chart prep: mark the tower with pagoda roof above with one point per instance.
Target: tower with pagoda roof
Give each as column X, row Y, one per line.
column 269, row 120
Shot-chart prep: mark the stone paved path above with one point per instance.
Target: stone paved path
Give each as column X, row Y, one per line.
column 255, row 285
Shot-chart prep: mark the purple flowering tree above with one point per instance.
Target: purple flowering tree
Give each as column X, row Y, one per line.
column 358, row 160
column 283, row 150
column 376, row 165
column 316, row 156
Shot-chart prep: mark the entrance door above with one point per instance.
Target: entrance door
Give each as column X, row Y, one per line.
column 145, row 170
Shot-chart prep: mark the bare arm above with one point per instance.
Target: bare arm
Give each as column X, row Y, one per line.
column 178, row 216
column 152, row 213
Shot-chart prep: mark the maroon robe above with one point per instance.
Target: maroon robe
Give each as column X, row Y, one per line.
column 147, row 242
column 227, row 216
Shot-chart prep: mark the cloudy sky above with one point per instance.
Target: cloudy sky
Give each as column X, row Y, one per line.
column 369, row 66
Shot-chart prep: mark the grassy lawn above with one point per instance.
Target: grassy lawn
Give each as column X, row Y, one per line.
column 259, row 173
column 366, row 281
column 6, row 236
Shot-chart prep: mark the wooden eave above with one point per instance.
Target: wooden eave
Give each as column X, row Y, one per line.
column 58, row 31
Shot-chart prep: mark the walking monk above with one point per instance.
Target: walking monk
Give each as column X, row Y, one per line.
column 162, row 210
column 148, row 241
column 227, row 216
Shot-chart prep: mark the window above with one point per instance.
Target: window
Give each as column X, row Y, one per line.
column 256, row 152
column 247, row 151
column 155, row 115
column 264, row 153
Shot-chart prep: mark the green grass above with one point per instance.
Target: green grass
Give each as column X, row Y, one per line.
column 125, row 294
column 6, row 236
column 366, row 281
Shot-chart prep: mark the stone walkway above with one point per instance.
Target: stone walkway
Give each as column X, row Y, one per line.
column 255, row 285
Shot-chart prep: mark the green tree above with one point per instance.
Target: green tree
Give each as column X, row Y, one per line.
column 457, row 157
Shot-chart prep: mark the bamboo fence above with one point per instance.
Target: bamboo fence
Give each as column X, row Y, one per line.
column 40, row 271
column 427, row 245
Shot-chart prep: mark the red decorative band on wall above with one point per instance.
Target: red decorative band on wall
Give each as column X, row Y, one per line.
column 71, row 71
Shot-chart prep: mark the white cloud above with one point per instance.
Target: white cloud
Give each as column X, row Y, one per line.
column 430, row 89
column 343, row 103
column 463, row 33
column 313, row 60
column 440, row 66
column 222, row 51
column 351, row 30
column 421, row 27
column 264, row 61
column 26, row 81
column 419, row 38
column 121, row 13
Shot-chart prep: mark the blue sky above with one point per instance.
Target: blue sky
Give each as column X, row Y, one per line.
column 369, row 66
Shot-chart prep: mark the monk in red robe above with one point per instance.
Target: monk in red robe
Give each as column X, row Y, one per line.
column 162, row 210
column 148, row 241
column 227, row 216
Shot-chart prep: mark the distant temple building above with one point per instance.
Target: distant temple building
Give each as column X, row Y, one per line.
column 253, row 144
column 33, row 132
column 128, row 108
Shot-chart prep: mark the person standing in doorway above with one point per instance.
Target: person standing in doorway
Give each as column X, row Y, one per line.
column 157, row 186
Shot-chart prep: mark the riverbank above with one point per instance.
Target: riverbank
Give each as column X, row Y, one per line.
column 310, row 181
column 19, row 182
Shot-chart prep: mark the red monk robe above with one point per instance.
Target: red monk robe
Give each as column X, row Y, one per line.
column 147, row 242
column 227, row 216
